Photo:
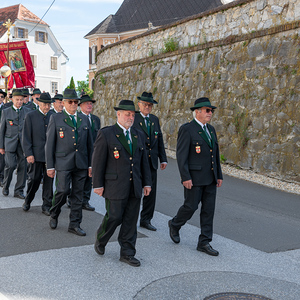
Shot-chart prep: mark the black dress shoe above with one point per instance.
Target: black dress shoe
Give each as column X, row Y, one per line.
column 26, row 206
column 5, row 192
column 148, row 226
column 87, row 206
column 131, row 260
column 46, row 211
column 208, row 249
column 99, row 249
column 77, row 230
column 53, row 223
column 174, row 233
column 20, row 196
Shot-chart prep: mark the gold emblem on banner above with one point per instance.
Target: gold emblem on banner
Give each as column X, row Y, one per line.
column 198, row 149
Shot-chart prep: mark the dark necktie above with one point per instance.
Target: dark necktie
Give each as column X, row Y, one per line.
column 73, row 121
column 207, row 135
column 129, row 141
column 148, row 125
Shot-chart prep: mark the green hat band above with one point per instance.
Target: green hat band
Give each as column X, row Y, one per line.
column 126, row 107
column 202, row 104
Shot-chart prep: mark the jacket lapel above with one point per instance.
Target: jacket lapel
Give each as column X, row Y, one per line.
column 79, row 121
column 202, row 134
column 142, row 123
column 68, row 120
column 134, row 141
column 122, row 139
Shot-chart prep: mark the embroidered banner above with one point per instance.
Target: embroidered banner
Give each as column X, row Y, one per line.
column 20, row 63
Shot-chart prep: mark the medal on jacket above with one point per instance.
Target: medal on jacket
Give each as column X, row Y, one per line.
column 11, row 123
column 116, row 154
column 61, row 134
column 198, row 149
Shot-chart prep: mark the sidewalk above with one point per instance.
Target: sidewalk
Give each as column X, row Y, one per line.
column 168, row 270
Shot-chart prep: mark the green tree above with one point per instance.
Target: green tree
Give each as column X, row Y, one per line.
column 72, row 84
column 84, row 84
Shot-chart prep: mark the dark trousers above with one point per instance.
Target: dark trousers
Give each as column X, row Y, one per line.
column 15, row 160
column 36, row 172
column 207, row 196
column 2, row 165
column 124, row 212
column 64, row 179
column 87, row 190
column 149, row 201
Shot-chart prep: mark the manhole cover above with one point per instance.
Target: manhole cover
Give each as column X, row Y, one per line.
column 235, row 296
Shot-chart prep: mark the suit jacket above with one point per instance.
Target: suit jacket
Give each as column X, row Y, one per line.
column 96, row 125
column 67, row 148
column 11, row 126
column 34, row 134
column 154, row 143
column 114, row 167
column 195, row 158
column 31, row 105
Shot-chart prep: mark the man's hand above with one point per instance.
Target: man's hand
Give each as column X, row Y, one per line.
column 147, row 190
column 163, row 166
column 30, row 159
column 99, row 191
column 2, row 151
column 90, row 172
column 51, row 173
column 188, row 184
column 219, row 182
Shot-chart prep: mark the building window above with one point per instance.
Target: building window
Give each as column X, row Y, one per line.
column 34, row 60
column 53, row 63
column 54, row 86
column 92, row 55
column 21, row 33
column 41, row 37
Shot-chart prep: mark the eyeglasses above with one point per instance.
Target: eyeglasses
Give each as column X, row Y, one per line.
column 208, row 110
column 147, row 104
column 72, row 102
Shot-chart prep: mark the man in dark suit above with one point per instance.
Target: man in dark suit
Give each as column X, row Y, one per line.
column 68, row 151
column 34, row 140
column 11, row 126
column 199, row 165
column 26, row 96
column 149, row 125
column 2, row 163
column 120, row 171
column 33, row 104
column 57, row 103
column 86, row 107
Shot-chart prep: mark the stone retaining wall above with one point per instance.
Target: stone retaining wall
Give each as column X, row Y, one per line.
column 247, row 64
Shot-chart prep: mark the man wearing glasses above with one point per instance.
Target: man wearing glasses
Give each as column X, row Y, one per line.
column 69, row 152
column 199, row 165
column 149, row 125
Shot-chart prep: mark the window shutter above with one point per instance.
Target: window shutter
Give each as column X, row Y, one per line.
column 90, row 55
column 34, row 60
column 46, row 37
column 36, row 36
column 26, row 33
column 16, row 32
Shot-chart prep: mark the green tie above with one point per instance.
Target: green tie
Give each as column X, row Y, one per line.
column 207, row 135
column 18, row 110
column 148, row 125
column 129, row 141
column 75, row 126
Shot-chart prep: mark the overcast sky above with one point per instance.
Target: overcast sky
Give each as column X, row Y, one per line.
column 70, row 21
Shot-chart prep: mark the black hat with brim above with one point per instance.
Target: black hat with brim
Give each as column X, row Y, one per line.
column 17, row 92
column 86, row 98
column 125, row 105
column 45, row 98
column 25, row 92
column 202, row 102
column 70, row 94
column 3, row 93
column 147, row 97
column 58, row 97
column 36, row 92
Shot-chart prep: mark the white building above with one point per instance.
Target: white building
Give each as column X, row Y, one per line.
column 48, row 57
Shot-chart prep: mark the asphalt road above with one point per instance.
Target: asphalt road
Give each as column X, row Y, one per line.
column 260, row 217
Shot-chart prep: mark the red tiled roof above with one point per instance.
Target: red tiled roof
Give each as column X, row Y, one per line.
column 19, row 12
